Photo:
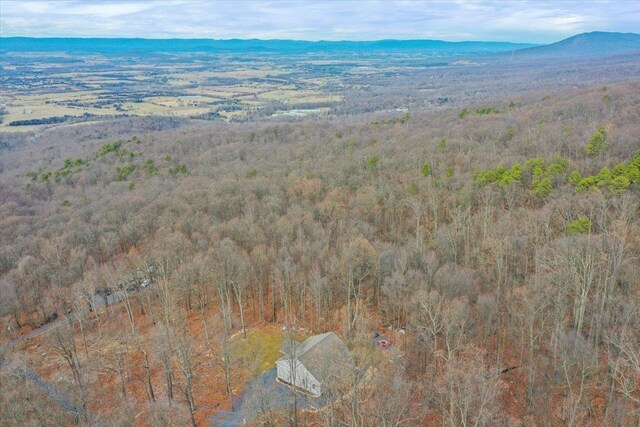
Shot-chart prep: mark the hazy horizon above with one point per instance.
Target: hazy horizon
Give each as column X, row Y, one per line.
column 500, row 21
column 271, row 39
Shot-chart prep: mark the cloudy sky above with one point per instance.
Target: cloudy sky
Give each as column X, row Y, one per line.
column 502, row 20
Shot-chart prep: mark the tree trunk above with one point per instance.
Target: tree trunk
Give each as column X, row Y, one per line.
column 149, row 384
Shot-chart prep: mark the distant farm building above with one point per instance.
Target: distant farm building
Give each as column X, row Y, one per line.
column 314, row 363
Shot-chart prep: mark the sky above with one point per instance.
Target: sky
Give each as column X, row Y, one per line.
column 497, row 20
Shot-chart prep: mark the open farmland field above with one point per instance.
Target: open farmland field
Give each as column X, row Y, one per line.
column 182, row 90
column 51, row 88
column 58, row 89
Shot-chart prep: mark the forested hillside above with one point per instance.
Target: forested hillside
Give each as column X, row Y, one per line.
column 497, row 244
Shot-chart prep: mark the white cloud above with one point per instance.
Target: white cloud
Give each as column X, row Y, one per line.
column 110, row 10
column 527, row 20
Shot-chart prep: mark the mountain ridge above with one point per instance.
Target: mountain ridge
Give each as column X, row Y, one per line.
column 595, row 43
column 123, row 45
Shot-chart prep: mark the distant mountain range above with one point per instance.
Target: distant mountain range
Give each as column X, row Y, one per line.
column 586, row 44
column 119, row 46
column 596, row 43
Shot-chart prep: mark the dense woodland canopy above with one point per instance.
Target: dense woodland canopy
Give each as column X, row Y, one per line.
column 503, row 240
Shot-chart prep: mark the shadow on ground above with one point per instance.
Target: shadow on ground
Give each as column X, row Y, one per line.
column 261, row 395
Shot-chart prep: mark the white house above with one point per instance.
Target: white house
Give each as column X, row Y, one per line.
column 310, row 365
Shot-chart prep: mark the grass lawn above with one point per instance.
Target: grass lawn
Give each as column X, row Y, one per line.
column 261, row 349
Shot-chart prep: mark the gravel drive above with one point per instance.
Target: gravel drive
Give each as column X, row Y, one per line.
column 266, row 393
column 50, row 391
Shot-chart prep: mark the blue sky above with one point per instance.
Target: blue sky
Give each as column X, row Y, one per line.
column 519, row 21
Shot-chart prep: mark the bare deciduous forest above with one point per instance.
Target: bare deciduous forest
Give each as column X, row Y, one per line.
column 151, row 267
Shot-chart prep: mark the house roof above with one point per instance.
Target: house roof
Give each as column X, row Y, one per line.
column 320, row 354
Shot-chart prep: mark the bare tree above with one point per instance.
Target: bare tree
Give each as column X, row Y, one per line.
column 577, row 363
column 469, row 390
column 359, row 262
column 164, row 339
column 231, row 279
column 62, row 340
column 187, row 362
column 226, row 362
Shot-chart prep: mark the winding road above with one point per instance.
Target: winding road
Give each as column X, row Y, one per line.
column 65, row 402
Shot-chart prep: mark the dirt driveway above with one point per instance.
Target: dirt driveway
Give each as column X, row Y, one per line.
column 261, row 395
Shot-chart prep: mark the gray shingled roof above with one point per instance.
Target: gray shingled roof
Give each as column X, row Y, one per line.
column 320, row 354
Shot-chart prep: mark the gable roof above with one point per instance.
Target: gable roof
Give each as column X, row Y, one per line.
column 319, row 354
column 315, row 342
